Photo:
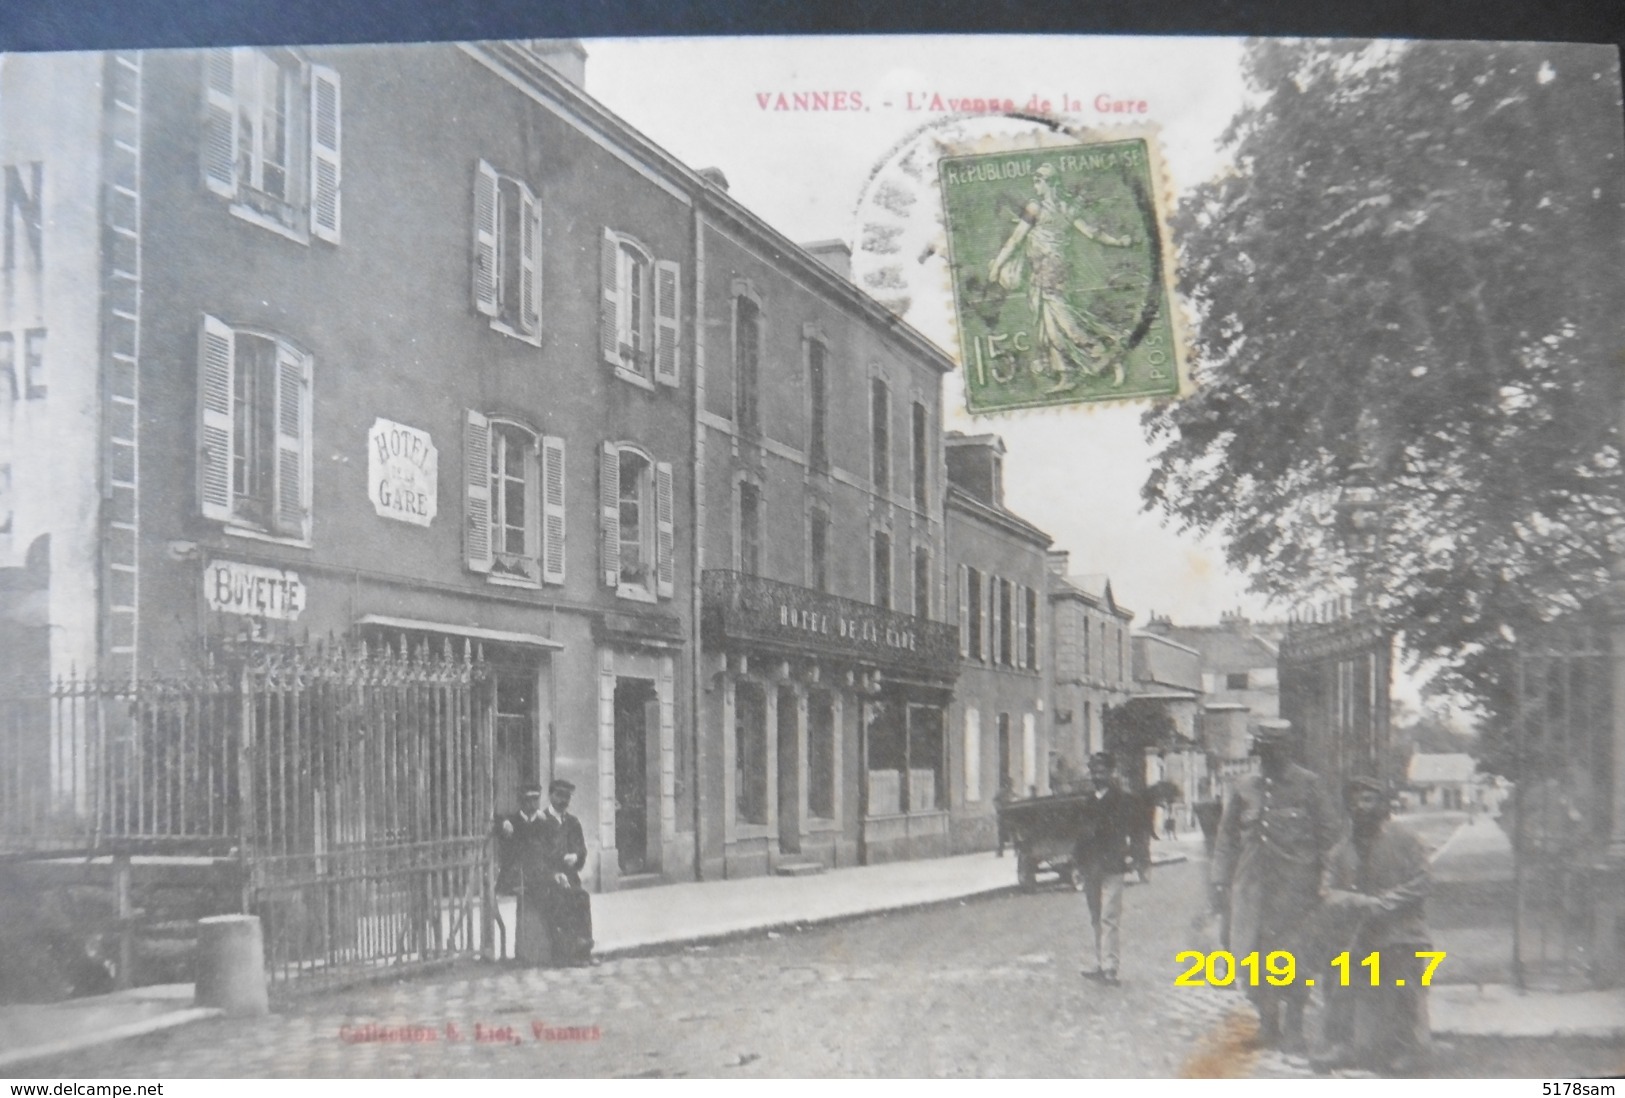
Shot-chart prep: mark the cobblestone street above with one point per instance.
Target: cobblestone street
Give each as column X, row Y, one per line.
column 983, row 988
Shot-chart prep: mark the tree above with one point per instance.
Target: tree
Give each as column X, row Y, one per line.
column 1411, row 276
column 1133, row 728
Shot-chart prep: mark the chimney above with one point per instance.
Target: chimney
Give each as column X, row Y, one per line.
column 834, row 254
column 1161, row 625
column 714, row 177
column 567, row 57
column 976, row 464
column 1058, row 562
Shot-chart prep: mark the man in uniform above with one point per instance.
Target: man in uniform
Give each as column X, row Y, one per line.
column 1107, row 825
column 569, row 907
column 1273, row 837
column 521, row 851
column 1374, row 887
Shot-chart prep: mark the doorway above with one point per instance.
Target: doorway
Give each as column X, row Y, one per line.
column 516, row 754
column 789, row 745
column 636, row 716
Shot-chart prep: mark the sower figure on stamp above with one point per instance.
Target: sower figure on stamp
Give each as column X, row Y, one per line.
column 1108, row 821
column 1069, row 338
column 1374, row 888
column 1273, row 839
column 568, row 906
column 522, row 857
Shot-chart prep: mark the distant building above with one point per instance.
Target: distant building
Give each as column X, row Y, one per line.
column 999, row 730
column 1444, row 780
column 1168, row 675
column 1091, row 655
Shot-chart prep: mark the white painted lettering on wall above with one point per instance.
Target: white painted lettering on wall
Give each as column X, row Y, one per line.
column 252, row 591
column 402, row 467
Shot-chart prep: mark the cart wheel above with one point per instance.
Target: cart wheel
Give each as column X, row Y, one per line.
column 1026, row 872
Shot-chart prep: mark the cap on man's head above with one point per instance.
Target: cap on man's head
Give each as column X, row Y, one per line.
column 530, row 789
column 1274, row 730
column 1363, row 783
column 562, row 785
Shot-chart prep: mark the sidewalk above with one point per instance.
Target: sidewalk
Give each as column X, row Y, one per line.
column 665, row 916
column 1472, row 996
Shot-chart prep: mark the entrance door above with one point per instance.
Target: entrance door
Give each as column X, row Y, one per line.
column 789, row 728
column 634, row 700
column 1005, row 777
column 516, row 761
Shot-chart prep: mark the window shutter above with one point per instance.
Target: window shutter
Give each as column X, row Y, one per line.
column 292, row 443
column 477, row 492
column 219, row 122
column 990, row 627
column 609, row 512
column 216, row 384
column 552, row 509
column 964, row 611
column 530, row 266
column 1019, row 598
column 609, row 309
column 487, row 273
column 324, row 153
column 665, row 533
column 668, row 321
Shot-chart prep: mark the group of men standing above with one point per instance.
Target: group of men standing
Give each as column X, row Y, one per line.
column 1287, row 877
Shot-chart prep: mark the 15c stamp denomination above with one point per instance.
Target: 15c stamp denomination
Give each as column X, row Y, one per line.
column 1062, row 279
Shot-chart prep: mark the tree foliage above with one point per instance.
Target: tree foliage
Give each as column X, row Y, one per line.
column 1413, row 269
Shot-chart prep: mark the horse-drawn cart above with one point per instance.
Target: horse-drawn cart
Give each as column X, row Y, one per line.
column 1045, row 833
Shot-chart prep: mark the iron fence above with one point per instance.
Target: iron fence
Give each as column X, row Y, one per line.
column 351, row 788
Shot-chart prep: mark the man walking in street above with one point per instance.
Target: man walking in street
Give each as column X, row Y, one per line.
column 569, row 907
column 1374, row 887
column 1273, row 838
column 1105, row 848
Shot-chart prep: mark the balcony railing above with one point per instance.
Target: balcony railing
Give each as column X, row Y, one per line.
column 741, row 607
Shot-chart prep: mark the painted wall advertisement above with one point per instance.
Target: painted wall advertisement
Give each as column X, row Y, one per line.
column 402, row 467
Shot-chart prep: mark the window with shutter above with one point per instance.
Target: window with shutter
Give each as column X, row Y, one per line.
column 515, row 498
column 255, row 431
column 507, row 253
column 553, row 510
column 668, row 322
column 487, row 269
column 272, row 139
column 964, row 611
column 477, row 492
column 666, row 532
column 637, row 529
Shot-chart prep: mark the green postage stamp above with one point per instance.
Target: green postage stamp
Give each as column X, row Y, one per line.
column 1062, row 278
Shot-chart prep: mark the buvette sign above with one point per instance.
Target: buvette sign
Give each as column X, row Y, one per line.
column 253, row 591
column 402, row 467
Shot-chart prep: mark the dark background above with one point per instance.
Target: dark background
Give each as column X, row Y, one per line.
column 101, row 24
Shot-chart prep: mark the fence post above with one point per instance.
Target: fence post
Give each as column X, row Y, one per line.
column 125, row 906
column 246, row 821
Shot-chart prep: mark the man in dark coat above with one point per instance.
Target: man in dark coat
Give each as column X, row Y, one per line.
column 1108, row 822
column 524, row 870
column 1273, row 838
column 569, row 908
column 1374, row 887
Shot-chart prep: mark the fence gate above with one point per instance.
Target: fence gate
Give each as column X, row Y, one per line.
column 1336, row 675
column 366, row 834
column 1562, row 719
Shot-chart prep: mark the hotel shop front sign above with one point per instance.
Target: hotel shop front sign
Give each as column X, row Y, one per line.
column 252, row 591
column 800, row 621
column 403, row 467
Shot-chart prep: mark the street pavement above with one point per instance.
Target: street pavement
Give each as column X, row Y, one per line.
column 985, row 987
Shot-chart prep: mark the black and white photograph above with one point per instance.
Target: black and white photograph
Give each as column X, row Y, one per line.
column 778, row 557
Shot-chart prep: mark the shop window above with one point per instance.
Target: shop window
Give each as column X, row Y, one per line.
column 888, row 759
column 882, row 569
column 636, row 529
column 507, row 253
column 271, row 139
column 880, row 435
column 750, row 753
column 818, row 551
column 639, row 318
column 513, row 498
column 747, row 364
column 255, row 431
column 821, row 754
column 818, row 406
column 927, row 759
column 973, row 755
column 1235, row 680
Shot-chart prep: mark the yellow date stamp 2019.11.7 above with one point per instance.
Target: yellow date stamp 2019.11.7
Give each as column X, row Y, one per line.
column 1220, row 968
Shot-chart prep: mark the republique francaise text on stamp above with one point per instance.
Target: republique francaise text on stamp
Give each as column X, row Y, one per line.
column 1062, row 281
